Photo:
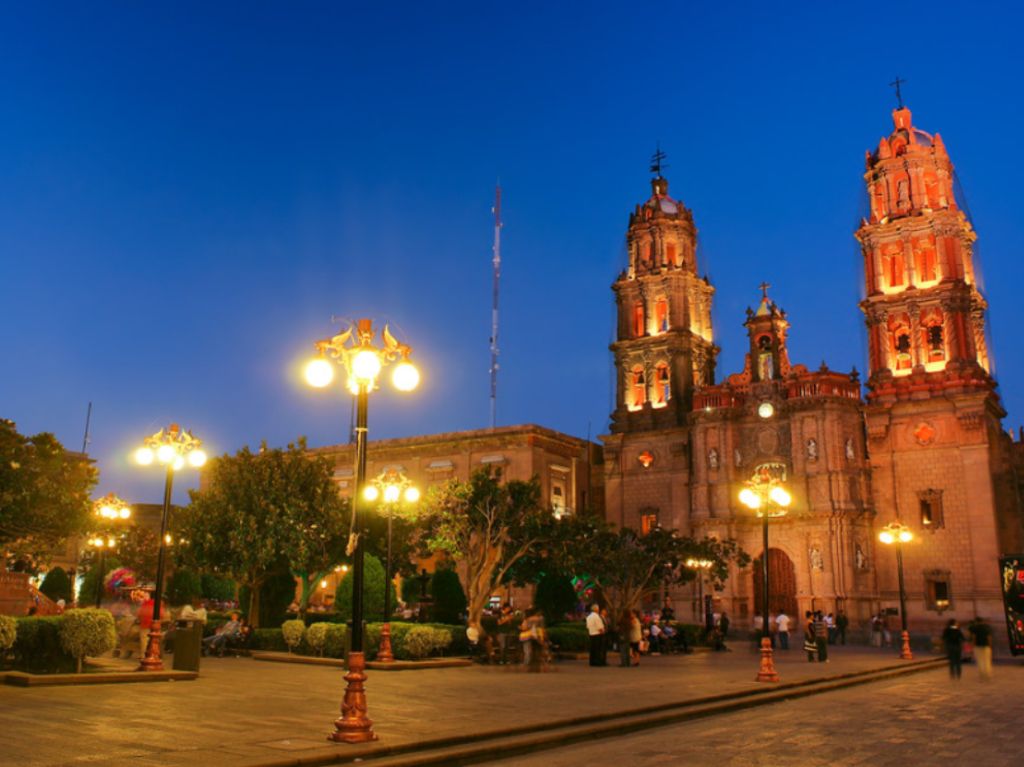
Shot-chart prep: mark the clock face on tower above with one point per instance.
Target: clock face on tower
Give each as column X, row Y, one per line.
column 766, row 410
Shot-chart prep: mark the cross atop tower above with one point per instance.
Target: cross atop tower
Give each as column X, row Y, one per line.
column 899, row 96
column 657, row 164
column 764, row 289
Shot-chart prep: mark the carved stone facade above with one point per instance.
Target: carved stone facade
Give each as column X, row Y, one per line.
column 926, row 447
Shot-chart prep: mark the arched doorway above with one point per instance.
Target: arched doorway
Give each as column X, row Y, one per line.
column 782, row 583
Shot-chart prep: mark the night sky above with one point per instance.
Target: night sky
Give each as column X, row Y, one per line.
column 190, row 192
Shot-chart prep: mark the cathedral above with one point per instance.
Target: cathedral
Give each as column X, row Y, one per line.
column 921, row 445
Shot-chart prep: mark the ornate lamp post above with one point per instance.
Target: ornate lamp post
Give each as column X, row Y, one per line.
column 173, row 448
column 390, row 488
column 354, row 349
column 896, row 534
column 767, row 497
column 701, row 566
column 109, row 509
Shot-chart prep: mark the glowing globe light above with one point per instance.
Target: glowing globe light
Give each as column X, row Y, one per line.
column 412, row 494
column 144, row 456
column 179, row 463
column 125, row 512
column 750, row 499
column 196, row 458
column 166, row 453
column 365, row 366
column 886, row 537
column 319, row 372
column 405, row 377
column 392, row 493
column 905, row 536
column 371, row 493
column 780, row 496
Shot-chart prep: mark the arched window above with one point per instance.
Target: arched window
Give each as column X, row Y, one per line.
column 638, row 387
column 670, row 254
column 661, row 314
column 638, row 319
column 662, row 385
column 926, row 264
column 901, row 342
column 936, row 343
column 894, row 269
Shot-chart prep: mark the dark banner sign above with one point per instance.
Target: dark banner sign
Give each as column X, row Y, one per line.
column 1013, row 600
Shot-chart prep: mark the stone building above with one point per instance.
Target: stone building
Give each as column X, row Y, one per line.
column 926, row 447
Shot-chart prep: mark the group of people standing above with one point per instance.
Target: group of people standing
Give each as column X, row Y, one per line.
column 954, row 643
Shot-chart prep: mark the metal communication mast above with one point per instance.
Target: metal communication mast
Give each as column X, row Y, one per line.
column 494, row 309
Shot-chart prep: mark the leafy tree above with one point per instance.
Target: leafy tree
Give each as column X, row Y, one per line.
column 449, row 600
column 373, row 591
column 185, row 585
column 555, row 596
column 258, row 507
column 90, row 581
column 488, row 527
column 138, row 548
column 57, row 585
column 44, row 492
column 219, row 589
column 629, row 567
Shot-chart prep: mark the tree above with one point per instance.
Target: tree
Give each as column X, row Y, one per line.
column 449, row 600
column 629, row 567
column 44, row 492
column 373, row 591
column 555, row 596
column 57, row 585
column 488, row 528
column 184, row 586
column 259, row 507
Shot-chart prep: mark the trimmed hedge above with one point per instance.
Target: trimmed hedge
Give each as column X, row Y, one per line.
column 335, row 642
column 569, row 639
column 37, row 647
column 87, row 631
column 8, row 633
column 292, row 632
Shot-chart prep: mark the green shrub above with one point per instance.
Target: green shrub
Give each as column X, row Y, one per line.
column 336, row 640
column 316, row 637
column 184, row 586
column 277, row 592
column 331, row 617
column 56, row 585
column 373, row 591
column 91, row 580
column 267, row 639
column 569, row 639
column 424, row 641
column 8, row 633
column 87, row 631
column 555, row 596
column 217, row 588
column 37, row 646
column 449, row 600
column 292, row 632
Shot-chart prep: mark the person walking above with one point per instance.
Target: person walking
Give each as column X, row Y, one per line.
column 842, row 623
column 782, row 628
column 635, row 635
column 595, row 632
column 953, row 642
column 821, row 637
column 876, row 630
column 531, row 636
column 810, row 646
column 981, row 636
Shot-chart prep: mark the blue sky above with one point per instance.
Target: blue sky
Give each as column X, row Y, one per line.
column 191, row 191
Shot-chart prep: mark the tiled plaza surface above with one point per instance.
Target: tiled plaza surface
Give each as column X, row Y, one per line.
column 241, row 711
column 918, row 720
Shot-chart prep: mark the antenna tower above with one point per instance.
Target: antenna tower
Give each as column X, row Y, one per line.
column 494, row 307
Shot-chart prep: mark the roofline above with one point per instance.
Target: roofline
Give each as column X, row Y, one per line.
column 463, row 436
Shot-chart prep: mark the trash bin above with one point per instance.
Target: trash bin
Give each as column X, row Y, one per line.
column 188, row 641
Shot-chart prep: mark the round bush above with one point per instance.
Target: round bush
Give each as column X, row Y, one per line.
column 56, row 585
column 87, row 631
column 449, row 598
column 373, row 591
column 293, row 631
column 8, row 632
column 316, row 637
column 424, row 641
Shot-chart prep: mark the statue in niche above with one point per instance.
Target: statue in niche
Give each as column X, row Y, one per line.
column 850, row 455
column 812, row 449
column 860, row 559
column 817, row 562
column 713, row 458
column 737, row 457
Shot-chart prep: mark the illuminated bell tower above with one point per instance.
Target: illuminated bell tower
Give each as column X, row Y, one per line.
column 924, row 312
column 663, row 348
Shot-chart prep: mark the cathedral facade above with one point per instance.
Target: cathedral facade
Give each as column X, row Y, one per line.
column 922, row 445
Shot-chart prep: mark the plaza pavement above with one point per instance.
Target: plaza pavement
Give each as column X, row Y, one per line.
column 244, row 712
column 919, row 720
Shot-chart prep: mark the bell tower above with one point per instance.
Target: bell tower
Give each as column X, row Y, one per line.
column 663, row 348
column 924, row 312
column 766, row 329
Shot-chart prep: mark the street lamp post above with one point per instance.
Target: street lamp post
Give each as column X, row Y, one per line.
column 701, row 566
column 391, row 487
column 767, row 497
column 363, row 361
column 896, row 534
column 173, row 448
column 109, row 509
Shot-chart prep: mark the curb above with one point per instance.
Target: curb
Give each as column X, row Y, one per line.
column 24, row 679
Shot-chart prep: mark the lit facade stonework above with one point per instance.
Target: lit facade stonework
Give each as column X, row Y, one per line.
column 926, row 447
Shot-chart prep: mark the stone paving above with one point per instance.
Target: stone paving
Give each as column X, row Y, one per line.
column 242, row 711
column 922, row 719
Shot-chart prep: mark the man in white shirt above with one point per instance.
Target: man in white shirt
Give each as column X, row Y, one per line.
column 782, row 626
column 596, row 630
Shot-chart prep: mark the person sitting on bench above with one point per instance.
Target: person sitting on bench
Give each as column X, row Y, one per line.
column 229, row 632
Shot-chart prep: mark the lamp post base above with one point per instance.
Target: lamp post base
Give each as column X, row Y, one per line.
column 384, row 654
column 354, row 726
column 152, row 660
column 767, row 673
column 905, row 653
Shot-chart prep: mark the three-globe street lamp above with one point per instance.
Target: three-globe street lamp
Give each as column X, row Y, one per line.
column 109, row 509
column 701, row 566
column 766, row 496
column 896, row 534
column 390, row 488
column 363, row 361
column 174, row 448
